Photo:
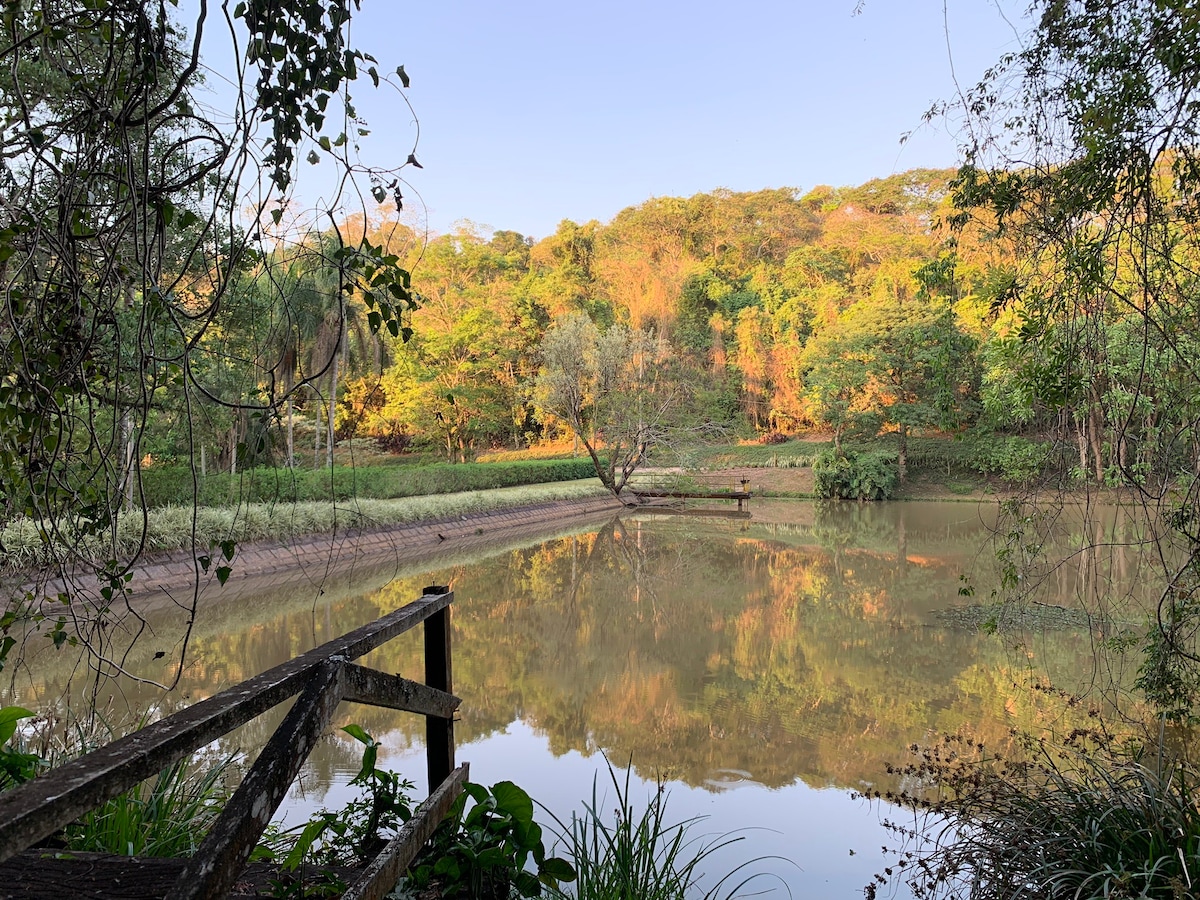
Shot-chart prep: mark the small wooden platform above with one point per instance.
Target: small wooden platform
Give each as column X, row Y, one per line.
column 740, row 496
column 51, row 875
column 706, row 512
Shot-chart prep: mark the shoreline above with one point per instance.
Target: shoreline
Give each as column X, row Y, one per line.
column 309, row 559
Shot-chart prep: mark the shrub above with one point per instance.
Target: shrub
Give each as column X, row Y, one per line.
column 773, row 437
column 852, row 475
column 1011, row 458
column 16, row 765
column 1083, row 819
column 170, row 528
column 396, row 442
column 481, row 850
column 1015, row 459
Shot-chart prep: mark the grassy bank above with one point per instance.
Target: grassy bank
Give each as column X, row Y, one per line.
column 175, row 486
column 960, row 463
column 172, row 527
column 1008, row 458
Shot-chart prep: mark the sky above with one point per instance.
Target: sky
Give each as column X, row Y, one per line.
column 533, row 111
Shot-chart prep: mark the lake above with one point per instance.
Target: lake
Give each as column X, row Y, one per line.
column 765, row 669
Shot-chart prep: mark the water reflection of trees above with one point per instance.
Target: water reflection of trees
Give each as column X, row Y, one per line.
column 787, row 649
column 779, row 654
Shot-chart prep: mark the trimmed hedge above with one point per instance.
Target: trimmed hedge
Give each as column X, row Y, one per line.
column 167, row 486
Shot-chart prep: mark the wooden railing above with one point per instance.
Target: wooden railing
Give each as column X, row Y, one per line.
column 323, row 677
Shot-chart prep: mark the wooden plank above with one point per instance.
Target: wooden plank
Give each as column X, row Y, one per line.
column 701, row 513
column 213, row 870
column 375, row 688
column 48, row 875
column 439, row 730
column 394, row 859
column 696, row 495
column 43, row 806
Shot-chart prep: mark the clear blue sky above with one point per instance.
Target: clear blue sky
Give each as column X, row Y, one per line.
column 535, row 111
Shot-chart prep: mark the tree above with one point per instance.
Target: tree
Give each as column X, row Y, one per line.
column 920, row 361
column 1083, row 154
column 835, row 374
column 122, row 252
column 614, row 391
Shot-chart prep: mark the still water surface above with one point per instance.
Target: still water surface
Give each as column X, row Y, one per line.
column 765, row 669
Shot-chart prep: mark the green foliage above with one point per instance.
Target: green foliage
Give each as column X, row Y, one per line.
column 169, row 486
column 168, row 815
column 854, row 475
column 1083, row 165
column 16, row 766
column 480, row 851
column 130, row 285
column 616, row 391
column 1011, row 458
column 792, row 455
column 1167, row 677
column 482, row 848
column 644, row 856
column 354, row 834
column 1083, row 819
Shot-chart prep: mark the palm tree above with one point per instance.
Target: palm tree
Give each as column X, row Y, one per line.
column 322, row 331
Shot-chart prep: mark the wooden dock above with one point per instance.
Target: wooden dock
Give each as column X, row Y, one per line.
column 322, row 678
column 694, row 488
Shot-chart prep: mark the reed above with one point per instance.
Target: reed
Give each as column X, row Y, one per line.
column 166, row 816
column 1080, row 820
column 641, row 855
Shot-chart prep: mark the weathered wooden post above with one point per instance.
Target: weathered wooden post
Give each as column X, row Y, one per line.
column 439, row 732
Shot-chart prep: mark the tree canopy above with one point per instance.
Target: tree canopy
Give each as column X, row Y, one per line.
column 131, row 275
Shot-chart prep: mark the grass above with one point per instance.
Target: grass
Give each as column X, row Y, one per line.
column 640, row 855
column 1011, row 458
column 1080, row 821
column 790, row 455
column 561, row 450
column 165, row 816
column 171, row 528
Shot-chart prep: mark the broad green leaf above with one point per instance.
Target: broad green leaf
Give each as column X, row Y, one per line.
column 513, row 800
column 359, row 733
column 555, row 870
column 9, row 716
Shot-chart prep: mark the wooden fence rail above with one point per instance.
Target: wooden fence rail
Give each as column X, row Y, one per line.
column 322, row 677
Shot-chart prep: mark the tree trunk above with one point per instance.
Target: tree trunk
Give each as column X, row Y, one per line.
column 333, row 382
column 127, row 475
column 1096, row 433
column 291, row 435
column 902, row 456
column 1081, row 439
column 317, row 436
